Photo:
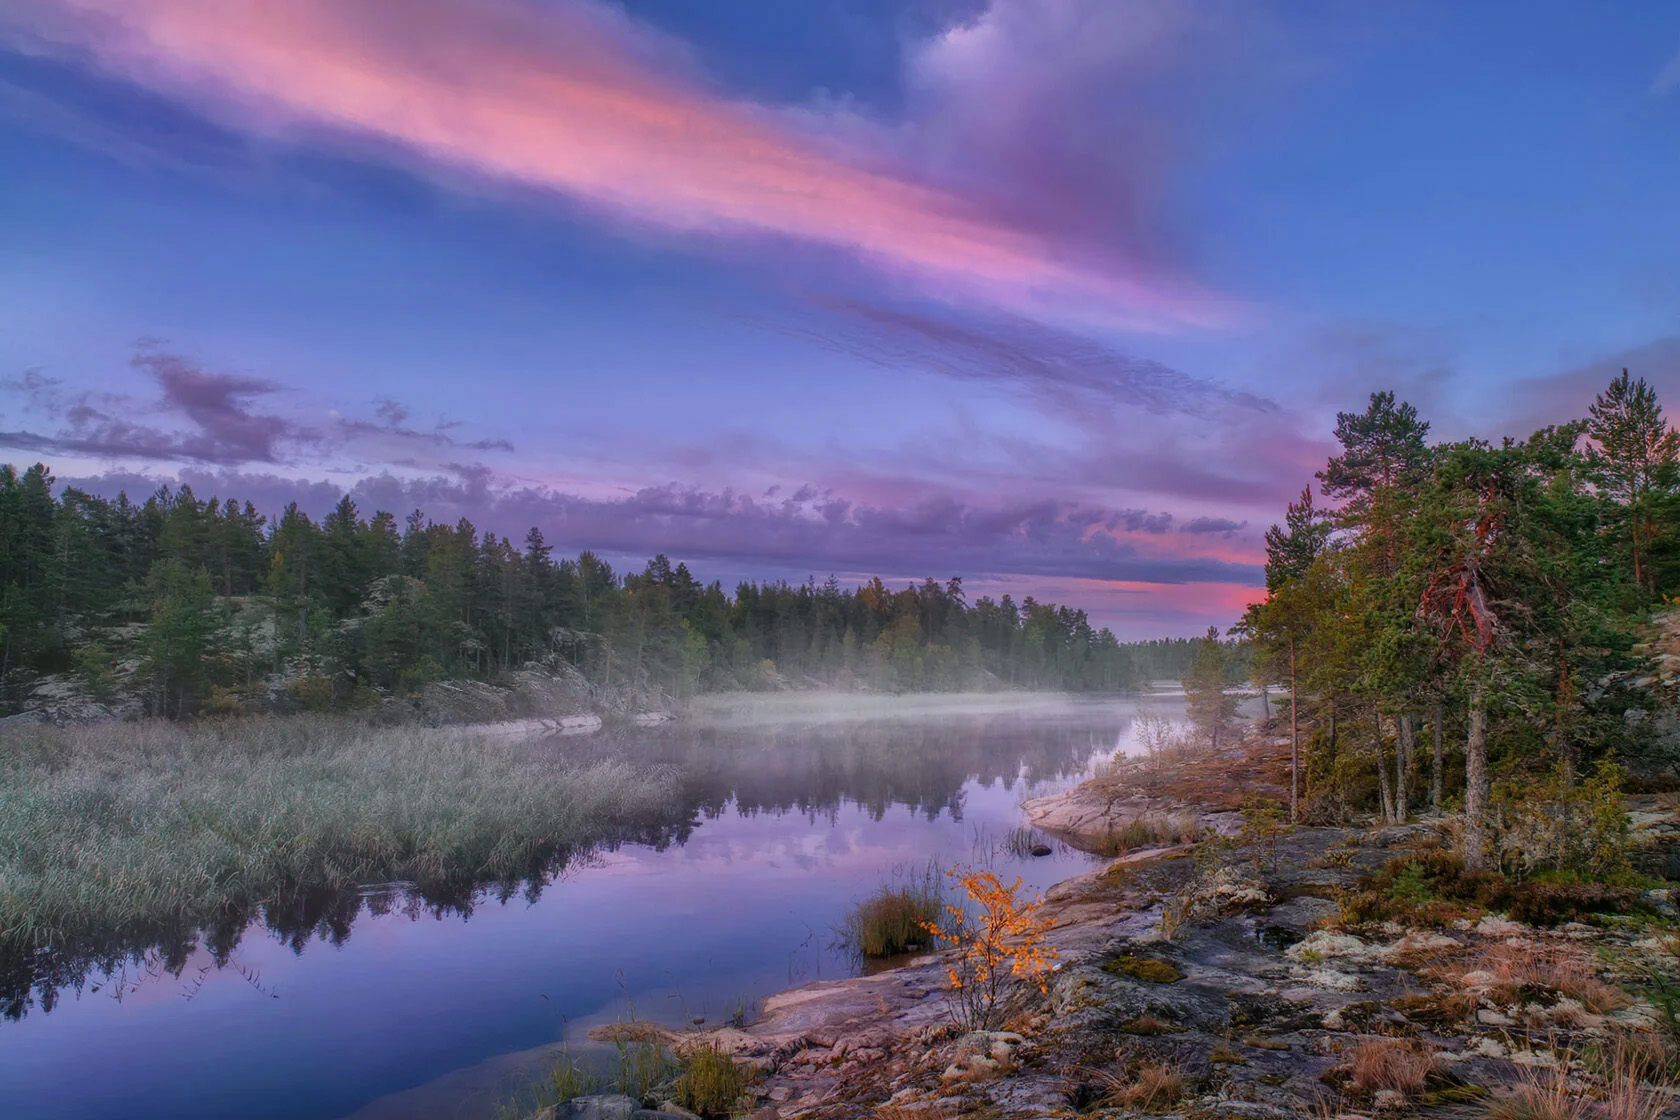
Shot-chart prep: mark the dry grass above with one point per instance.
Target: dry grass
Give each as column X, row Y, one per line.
column 1637, row 1062
column 1542, row 1096
column 1386, row 1063
column 1441, row 1009
column 1520, row 972
column 1631, row 1072
column 1153, row 1088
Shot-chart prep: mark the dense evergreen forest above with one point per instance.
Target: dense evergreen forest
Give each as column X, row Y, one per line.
column 1459, row 624
column 184, row 603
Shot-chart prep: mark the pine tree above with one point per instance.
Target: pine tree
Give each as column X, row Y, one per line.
column 1634, row 463
column 1212, row 709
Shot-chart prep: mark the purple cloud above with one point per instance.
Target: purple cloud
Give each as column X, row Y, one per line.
column 1016, row 353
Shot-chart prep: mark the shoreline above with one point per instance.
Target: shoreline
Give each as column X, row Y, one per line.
column 1263, row 992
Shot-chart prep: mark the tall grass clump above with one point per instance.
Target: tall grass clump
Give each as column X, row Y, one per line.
column 895, row 919
column 566, row 1080
column 148, row 827
column 710, row 1083
column 1152, row 830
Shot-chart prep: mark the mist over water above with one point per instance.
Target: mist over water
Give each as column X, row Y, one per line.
column 790, row 809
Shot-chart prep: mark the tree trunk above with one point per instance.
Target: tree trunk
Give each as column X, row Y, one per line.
column 1405, row 739
column 1438, row 761
column 1475, row 785
column 1384, row 792
column 1294, row 740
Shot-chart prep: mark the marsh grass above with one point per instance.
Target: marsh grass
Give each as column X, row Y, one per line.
column 642, row 1067
column 152, row 826
column 710, row 1082
column 895, row 919
column 566, row 1080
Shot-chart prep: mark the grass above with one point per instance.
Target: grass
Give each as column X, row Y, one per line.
column 895, row 918
column 1153, row 1088
column 151, row 827
column 710, row 1082
column 1152, row 830
column 1542, row 1096
column 1520, row 972
column 1514, row 975
column 1023, row 842
column 566, row 1080
column 1385, row 1063
column 642, row 1067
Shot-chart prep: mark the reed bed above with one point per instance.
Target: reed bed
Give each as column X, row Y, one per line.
column 136, row 826
column 896, row 918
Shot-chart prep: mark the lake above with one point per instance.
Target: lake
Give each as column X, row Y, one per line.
column 382, row 1005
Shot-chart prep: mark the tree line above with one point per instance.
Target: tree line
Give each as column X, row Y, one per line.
column 184, row 602
column 1455, row 628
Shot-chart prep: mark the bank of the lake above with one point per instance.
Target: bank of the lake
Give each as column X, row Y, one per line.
column 1261, row 978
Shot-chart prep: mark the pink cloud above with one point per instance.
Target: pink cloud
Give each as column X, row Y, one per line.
column 577, row 99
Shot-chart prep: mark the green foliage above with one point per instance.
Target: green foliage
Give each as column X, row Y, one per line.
column 96, row 669
column 895, row 919
column 1433, row 888
column 710, row 1082
column 1265, row 822
column 1559, row 825
column 1483, row 596
column 642, row 1066
column 224, row 596
column 1208, row 701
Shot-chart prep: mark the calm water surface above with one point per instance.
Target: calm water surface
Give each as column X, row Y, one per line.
column 383, row 1007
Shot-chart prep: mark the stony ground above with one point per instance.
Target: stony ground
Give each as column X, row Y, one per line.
column 1227, row 983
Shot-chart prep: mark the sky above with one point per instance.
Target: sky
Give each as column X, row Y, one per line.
column 1060, row 296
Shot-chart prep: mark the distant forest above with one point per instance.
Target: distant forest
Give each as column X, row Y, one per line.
column 185, row 604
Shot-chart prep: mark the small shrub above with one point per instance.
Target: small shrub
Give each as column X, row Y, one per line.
column 710, row 1082
column 1264, row 823
column 1432, row 888
column 998, row 939
column 314, row 694
column 1562, row 824
column 223, row 702
column 96, row 669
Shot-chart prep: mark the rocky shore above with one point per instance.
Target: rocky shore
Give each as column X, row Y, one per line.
column 1236, row 979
